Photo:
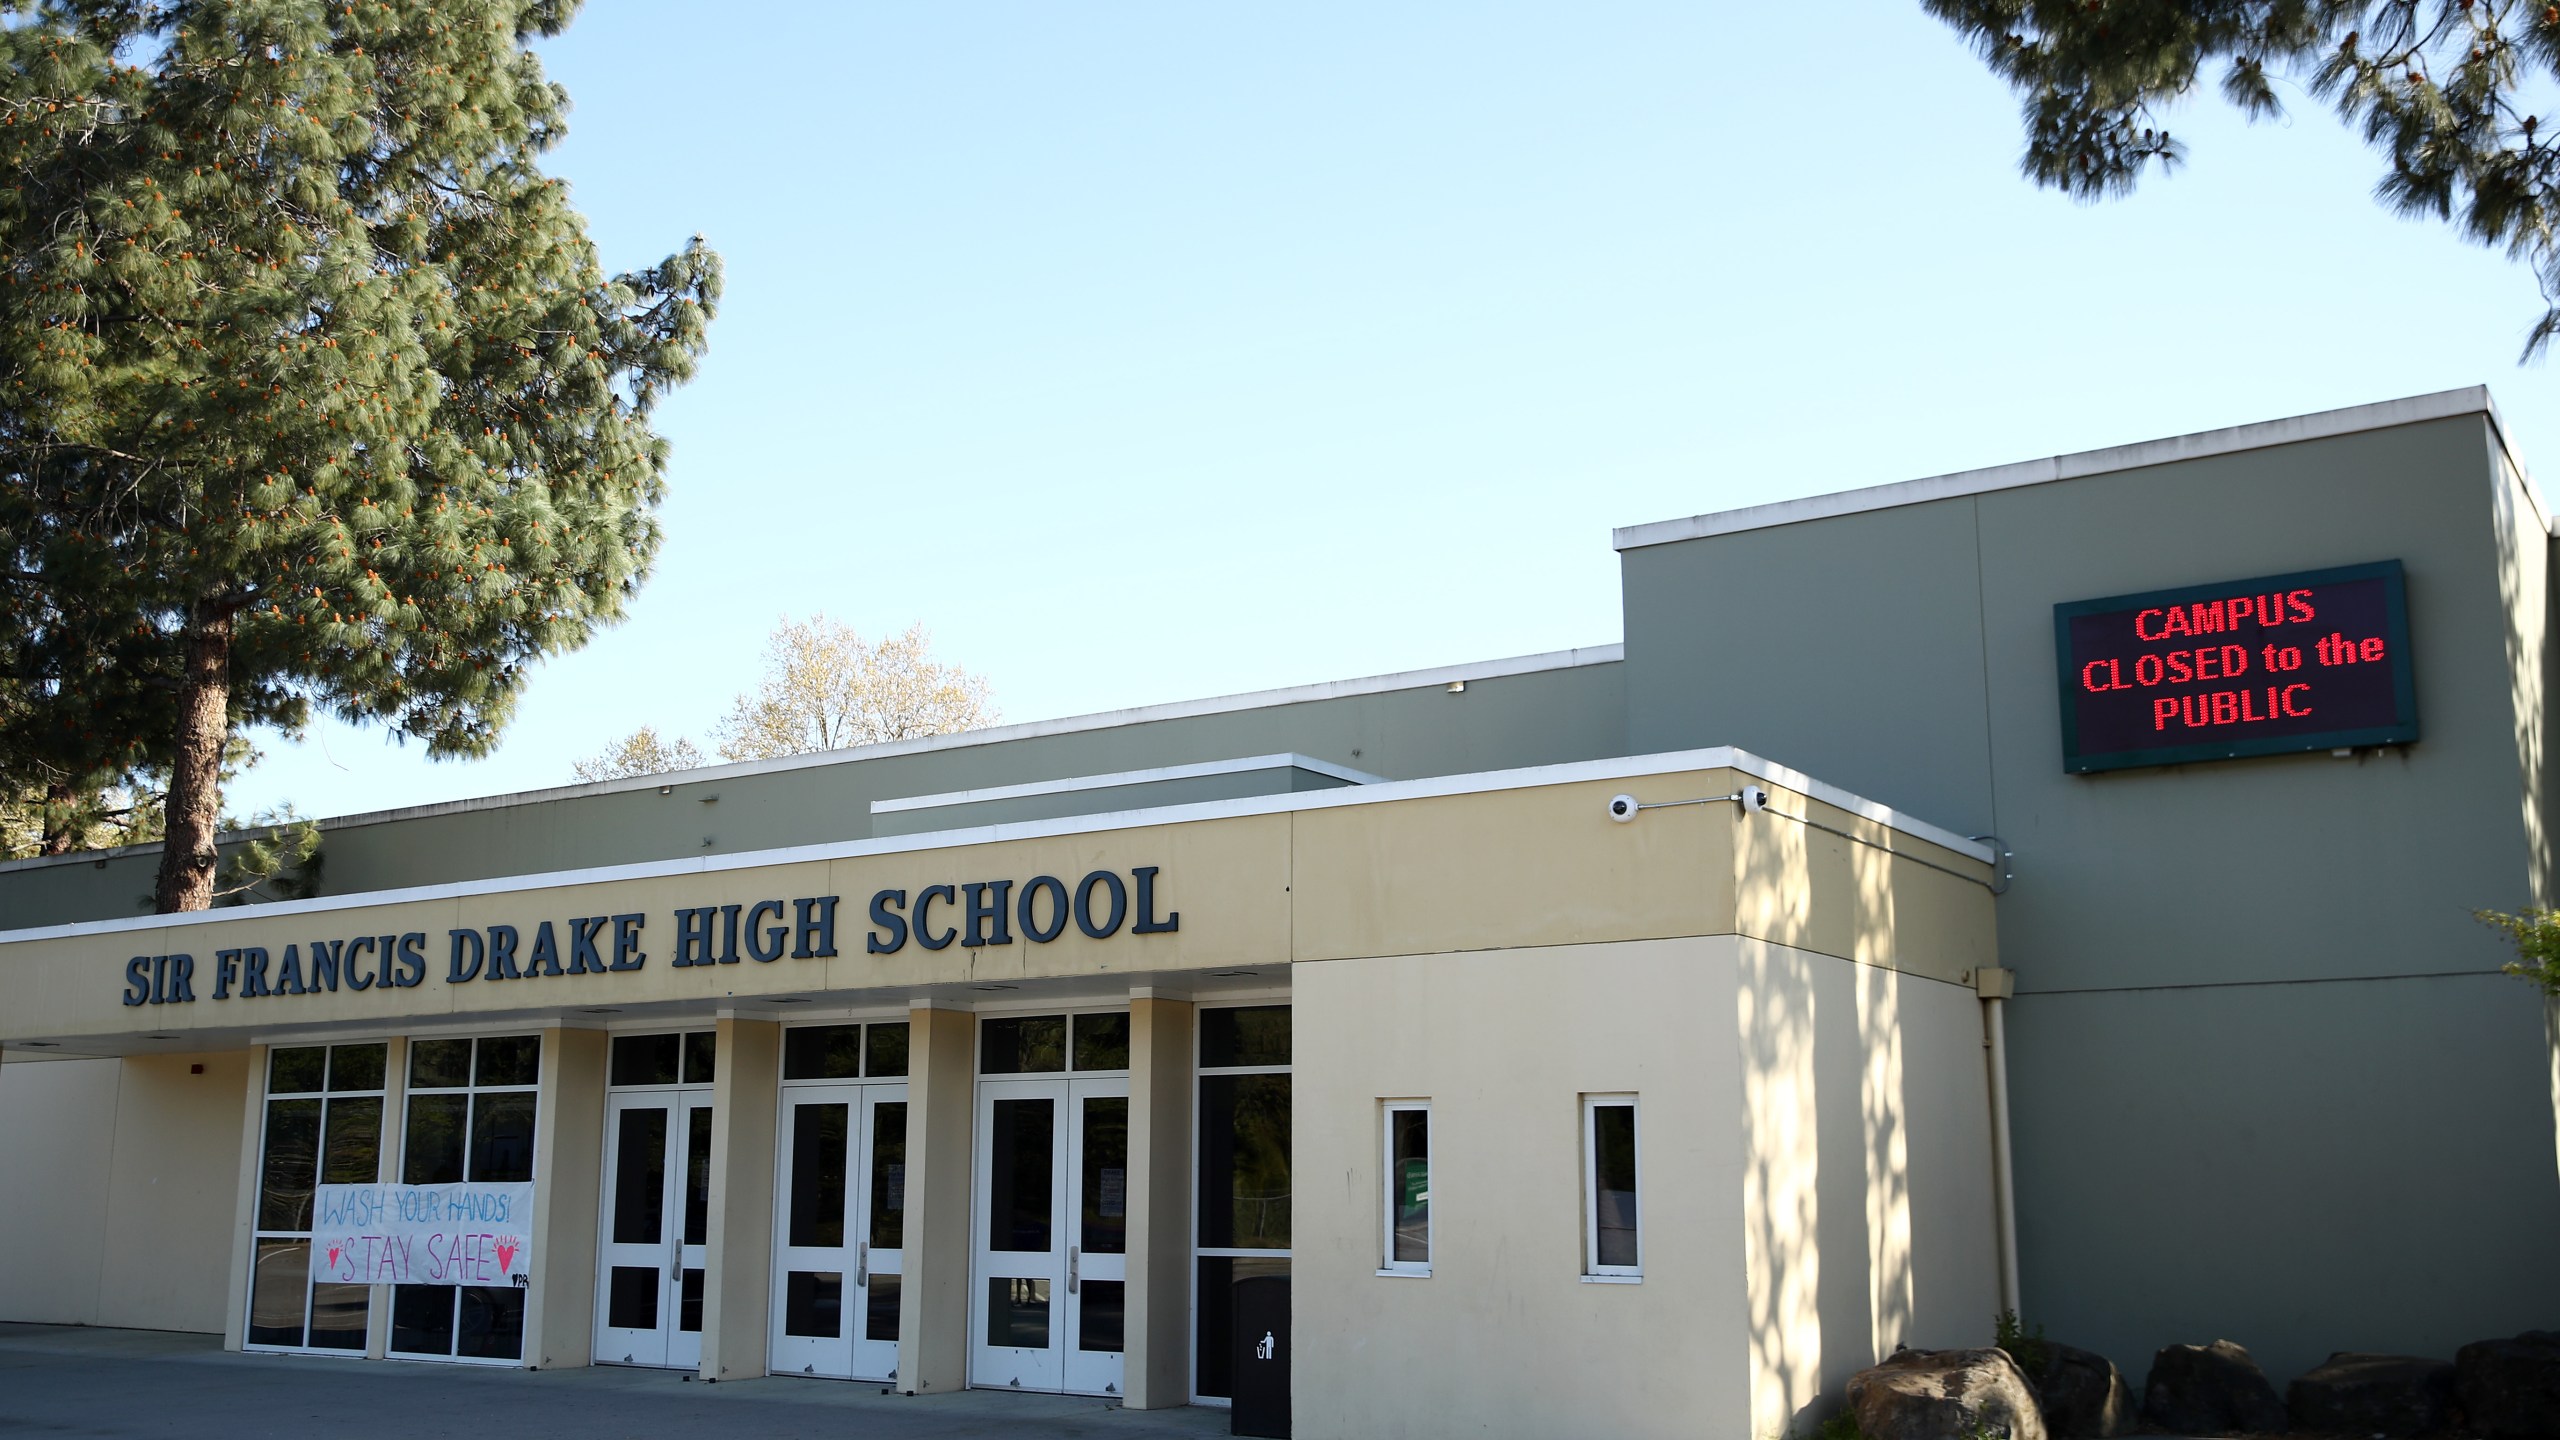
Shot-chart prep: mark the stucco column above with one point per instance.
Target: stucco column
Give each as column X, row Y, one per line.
column 933, row 1317
column 386, row 1171
column 244, row 1214
column 737, row 1290
column 568, row 1172
column 1161, row 1086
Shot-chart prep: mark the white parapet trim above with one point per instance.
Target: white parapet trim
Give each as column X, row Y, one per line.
column 1119, row 779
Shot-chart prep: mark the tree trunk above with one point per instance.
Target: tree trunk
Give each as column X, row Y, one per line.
column 187, row 855
column 59, row 805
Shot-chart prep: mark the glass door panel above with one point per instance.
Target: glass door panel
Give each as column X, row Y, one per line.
column 649, row 1256
column 1097, row 1254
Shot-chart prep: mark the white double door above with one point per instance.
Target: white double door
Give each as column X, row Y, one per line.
column 657, row 1200
column 1050, row 1251
column 840, row 1219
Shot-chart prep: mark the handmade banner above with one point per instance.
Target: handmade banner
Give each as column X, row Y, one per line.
column 456, row 1234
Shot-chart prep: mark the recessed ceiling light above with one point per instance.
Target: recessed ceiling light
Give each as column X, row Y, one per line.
column 995, row 987
column 600, row 1010
column 40, row 1044
column 159, row 1037
column 1233, row 974
column 788, row 1000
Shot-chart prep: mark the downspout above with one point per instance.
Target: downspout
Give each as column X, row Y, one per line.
column 1995, row 985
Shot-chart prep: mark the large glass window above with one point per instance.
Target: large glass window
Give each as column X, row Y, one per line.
column 1241, row 1220
column 1609, row 1240
column 470, row 1118
column 323, row 1126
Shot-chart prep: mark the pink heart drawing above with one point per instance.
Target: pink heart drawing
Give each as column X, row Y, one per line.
column 333, row 1254
column 507, row 1254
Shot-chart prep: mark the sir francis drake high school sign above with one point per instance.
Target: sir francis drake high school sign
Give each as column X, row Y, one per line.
column 980, row 913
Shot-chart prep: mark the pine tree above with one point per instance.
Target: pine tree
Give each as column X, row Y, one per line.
column 2444, row 89
column 312, row 390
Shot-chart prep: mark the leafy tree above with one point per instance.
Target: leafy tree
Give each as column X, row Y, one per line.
column 312, row 390
column 640, row 753
column 825, row 689
column 2440, row 88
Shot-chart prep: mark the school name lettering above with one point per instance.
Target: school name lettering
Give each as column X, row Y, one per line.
column 2252, row 667
column 981, row 913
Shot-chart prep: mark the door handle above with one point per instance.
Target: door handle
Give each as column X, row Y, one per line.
column 862, row 1267
column 1072, row 1257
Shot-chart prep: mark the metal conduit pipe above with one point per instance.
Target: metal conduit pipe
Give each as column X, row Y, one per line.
column 1995, row 986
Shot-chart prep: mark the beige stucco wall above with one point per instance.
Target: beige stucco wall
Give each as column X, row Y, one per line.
column 1815, row 1187
column 120, row 1188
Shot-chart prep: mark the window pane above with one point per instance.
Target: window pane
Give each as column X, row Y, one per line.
column 422, row 1319
column 338, row 1315
column 697, row 1176
column 817, row 1177
column 822, row 1052
column 432, row 1151
column 1023, row 1045
column 1018, row 1313
column 439, row 1064
column 813, row 1303
column 645, row 1059
column 292, row 1167
column 689, row 1303
column 276, row 1289
column 1102, row 1042
column 1214, row 1332
column 880, row 1317
column 1251, row 1035
column 1409, row 1184
column 501, row 1137
column 356, row 1067
column 1613, row 1167
column 888, row 1175
column 491, row 1324
column 1018, row 1185
column 1101, row 1315
column 353, row 1155
column 1105, row 1181
column 888, row 1057
column 298, row 1071
column 639, row 1185
column 509, row 1060
column 631, row 1298
column 701, row 1054
column 1244, row 1161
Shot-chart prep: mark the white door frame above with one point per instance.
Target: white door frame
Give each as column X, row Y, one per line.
column 665, row 1342
column 852, row 1352
column 1059, row 1273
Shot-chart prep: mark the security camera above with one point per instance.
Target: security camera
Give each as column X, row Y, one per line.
column 1753, row 798
column 1622, row 808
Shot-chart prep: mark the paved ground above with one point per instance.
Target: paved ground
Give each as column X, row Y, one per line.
column 62, row 1380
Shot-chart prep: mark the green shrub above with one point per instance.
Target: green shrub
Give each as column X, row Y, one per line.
column 2536, row 934
column 2030, row 1351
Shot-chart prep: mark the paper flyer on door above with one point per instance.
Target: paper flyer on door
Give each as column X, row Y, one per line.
column 455, row 1234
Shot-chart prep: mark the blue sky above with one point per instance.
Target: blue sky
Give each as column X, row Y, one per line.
column 1149, row 351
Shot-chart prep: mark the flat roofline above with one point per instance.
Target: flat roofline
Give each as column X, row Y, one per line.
column 995, row 735
column 1123, row 779
column 2320, row 425
column 1722, row 757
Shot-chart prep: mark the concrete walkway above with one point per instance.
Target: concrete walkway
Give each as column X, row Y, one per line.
column 67, row 1380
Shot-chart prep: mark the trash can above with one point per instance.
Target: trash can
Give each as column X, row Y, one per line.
column 1261, row 1363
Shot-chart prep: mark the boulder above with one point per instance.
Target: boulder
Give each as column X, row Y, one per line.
column 2211, row 1389
column 2083, row 1394
column 1945, row 1395
column 2374, row 1395
column 2510, row 1389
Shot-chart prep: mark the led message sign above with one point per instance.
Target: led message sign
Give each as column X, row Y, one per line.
column 2315, row 661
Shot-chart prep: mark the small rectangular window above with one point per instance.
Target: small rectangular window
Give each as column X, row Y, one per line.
column 1611, row 1247
column 1408, row 1188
